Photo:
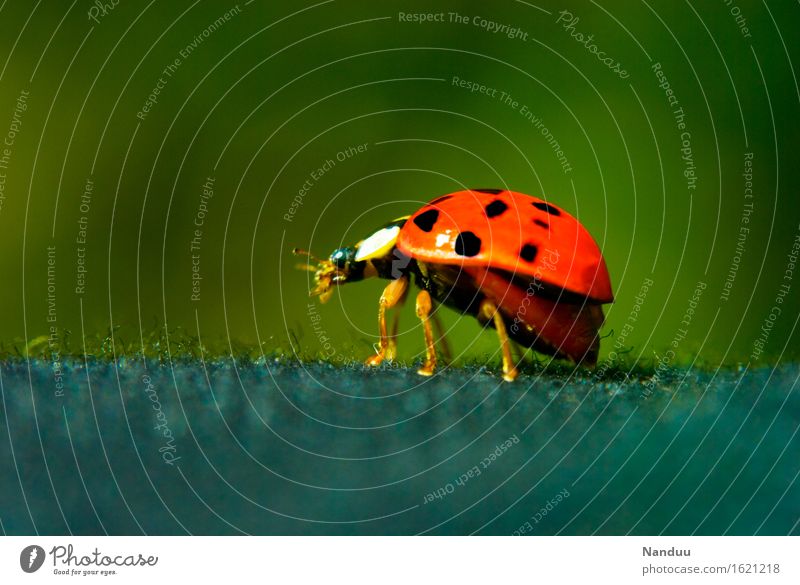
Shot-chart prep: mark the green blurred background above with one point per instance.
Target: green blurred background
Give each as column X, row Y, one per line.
column 269, row 95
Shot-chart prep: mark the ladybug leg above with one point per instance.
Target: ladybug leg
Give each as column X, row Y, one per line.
column 488, row 311
column 391, row 350
column 424, row 305
column 393, row 294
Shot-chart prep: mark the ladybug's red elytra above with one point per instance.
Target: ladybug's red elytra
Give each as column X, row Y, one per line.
column 519, row 263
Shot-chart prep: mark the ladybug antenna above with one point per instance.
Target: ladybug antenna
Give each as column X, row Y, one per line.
column 299, row 252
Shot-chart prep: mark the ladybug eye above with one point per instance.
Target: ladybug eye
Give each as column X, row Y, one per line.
column 339, row 258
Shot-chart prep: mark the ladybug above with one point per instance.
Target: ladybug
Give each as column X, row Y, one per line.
column 515, row 262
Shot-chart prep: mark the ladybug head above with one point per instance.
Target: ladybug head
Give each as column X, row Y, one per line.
column 343, row 258
column 372, row 256
column 340, row 268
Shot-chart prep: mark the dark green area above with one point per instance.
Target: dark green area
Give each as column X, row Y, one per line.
column 279, row 448
column 280, row 88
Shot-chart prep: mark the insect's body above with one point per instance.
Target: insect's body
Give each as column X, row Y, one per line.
column 516, row 262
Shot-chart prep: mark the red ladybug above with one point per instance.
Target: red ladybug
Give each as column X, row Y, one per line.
column 517, row 262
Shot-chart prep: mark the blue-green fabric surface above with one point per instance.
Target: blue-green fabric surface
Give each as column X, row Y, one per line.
column 283, row 448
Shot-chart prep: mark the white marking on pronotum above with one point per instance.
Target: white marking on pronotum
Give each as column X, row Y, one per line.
column 378, row 244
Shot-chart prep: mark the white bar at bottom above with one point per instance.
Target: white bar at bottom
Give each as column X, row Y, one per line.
column 402, row 560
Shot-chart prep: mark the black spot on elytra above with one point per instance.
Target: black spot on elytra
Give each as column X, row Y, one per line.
column 489, row 191
column 467, row 244
column 541, row 223
column 528, row 252
column 427, row 219
column 551, row 209
column 495, row 208
column 440, row 199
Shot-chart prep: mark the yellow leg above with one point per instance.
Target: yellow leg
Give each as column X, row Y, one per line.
column 391, row 350
column 489, row 311
column 423, row 312
column 393, row 294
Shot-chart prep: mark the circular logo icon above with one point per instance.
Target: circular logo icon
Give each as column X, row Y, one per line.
column 31, row 558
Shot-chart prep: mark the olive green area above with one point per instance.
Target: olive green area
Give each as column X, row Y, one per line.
column 283, row 124
column 217, row 448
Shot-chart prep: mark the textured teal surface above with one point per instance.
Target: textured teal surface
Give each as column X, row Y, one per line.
column 288, row 449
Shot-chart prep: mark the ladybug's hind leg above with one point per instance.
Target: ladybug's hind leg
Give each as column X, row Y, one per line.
column 488, row 310
column 394, row 294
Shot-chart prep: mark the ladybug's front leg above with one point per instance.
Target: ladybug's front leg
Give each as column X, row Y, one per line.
column 424, row 305
column 394, row 294
column 488, row 310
